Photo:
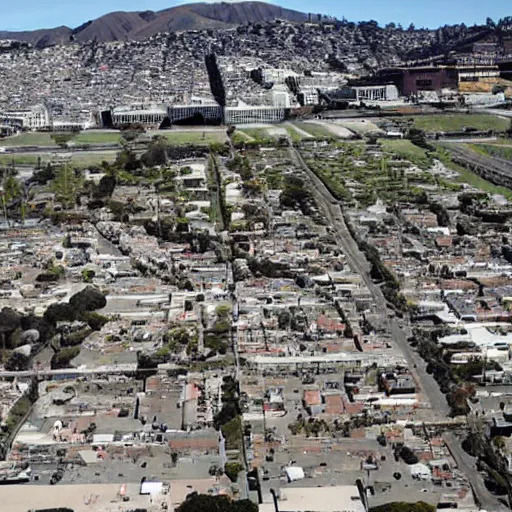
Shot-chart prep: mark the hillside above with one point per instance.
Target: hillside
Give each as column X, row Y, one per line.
column 119, row 26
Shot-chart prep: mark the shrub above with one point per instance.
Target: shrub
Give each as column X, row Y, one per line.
column 63, row 358
column 232, row 469
column 89, row 299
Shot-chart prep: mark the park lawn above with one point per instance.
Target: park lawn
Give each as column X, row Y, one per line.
column 81, row 159
column 19, row 159
column 316, row 130
column 28, row 139
column 294, row 134
column 240, row 137
column 455, row 122
column 92, row 137
column 179, row 138
column 406, row 150
column 258, row 134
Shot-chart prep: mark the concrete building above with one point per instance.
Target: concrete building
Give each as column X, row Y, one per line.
column 211, row 113
column 148, row 115
column 276, row 75
column 376, row 93
column 281, row 99
column 251, row 114
column 344, row 498
column 34, row 118
column 309, row 96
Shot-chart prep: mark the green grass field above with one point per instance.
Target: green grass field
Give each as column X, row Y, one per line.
column 45, row 139
column 256, row 133
column 180, row 138
column 466, row 176
column 316, row 130
column 89, row 137
column 295, row 135
column 495, row 150
column 405, row 149
column 455, row 122
column 82, row 159
column 28, row 139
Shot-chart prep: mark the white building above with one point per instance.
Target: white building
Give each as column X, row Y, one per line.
column 253, row 114
column 34, row 118
column 277, row 75
column 376, row 93
column 151, row 115
column 210, row 112
column 281, row 99
column 341, row 498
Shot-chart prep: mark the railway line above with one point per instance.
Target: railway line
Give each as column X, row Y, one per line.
column 495, row 170
column 358, row 262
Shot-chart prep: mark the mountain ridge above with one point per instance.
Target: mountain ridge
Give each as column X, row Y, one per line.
column 126, row 25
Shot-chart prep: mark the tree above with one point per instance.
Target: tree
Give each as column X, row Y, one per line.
column 9, row 191
column 17, row 362
column 207, row 503
column 9, row 322
column 156, row 153
column 401, row 506
column 60, row 312
column 105, row 187
column 127, row 160
column 66, row 184
column 62, row 139
column 509, row 130
column 232, row 469
column 89, row 299
column 63, row 358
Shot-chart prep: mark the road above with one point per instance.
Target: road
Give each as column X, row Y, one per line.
column 358, row 263
column 467, row 465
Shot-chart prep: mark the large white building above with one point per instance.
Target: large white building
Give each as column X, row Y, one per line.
column 210, row 112
column 341, row 498
column 247, row 114
column 33, row 118
column 149, row 115
column 277, row 75
column 376, row 93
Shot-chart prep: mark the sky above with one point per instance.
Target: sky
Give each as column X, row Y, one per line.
column 34, row 14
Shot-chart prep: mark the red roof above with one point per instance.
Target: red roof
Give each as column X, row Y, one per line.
column 312, row 397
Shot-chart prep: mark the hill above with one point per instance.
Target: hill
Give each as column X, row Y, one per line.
column 120, row 26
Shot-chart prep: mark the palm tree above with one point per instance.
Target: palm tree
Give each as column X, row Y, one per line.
column 10, row 191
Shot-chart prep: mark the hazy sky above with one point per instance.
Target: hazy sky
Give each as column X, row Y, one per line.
column 32, row 14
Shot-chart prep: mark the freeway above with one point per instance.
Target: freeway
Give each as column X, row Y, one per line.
column 358, row 262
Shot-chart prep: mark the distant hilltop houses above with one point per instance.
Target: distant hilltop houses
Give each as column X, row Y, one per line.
column 280, row 93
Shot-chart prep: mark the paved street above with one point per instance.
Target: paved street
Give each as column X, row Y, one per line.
column 428, row 385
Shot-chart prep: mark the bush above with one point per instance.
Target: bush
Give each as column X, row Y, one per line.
column 95, row 320
column 60, row 312
column 401, row 506
column 232, row 469
column 205, row 502
column 89, row 299
column 63, row 358
column 75, row 338
column 88, row 275
column 232, row 431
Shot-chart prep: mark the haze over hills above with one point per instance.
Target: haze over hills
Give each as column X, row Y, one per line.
column 118, row 26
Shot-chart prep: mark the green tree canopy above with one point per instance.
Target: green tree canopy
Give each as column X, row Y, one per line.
column 207, row 503
column 402, row 506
